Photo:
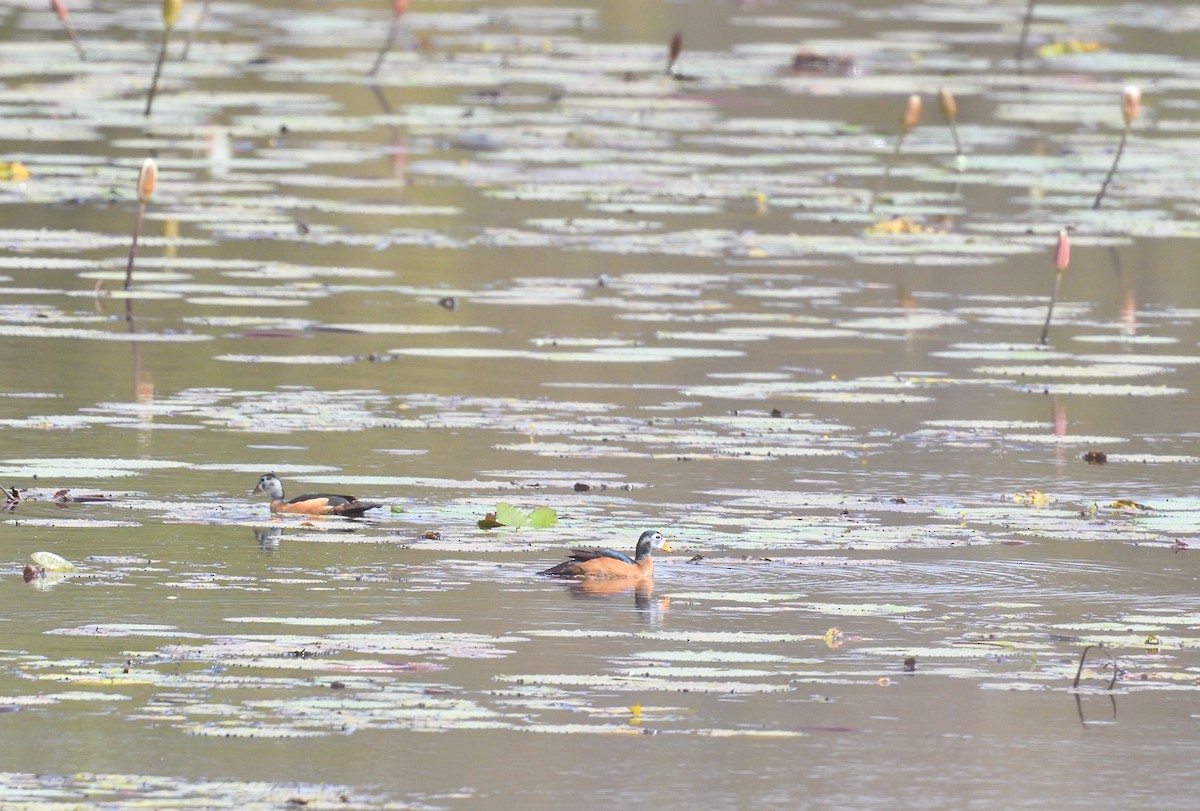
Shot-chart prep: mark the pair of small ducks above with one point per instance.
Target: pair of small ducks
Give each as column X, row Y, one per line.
column 584, row 563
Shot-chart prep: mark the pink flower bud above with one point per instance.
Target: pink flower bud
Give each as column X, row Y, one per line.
column 60, row 8
column 1131, row 103
column 399, row 7
column 1062, row 252
column 146, row 180
column 912, row 112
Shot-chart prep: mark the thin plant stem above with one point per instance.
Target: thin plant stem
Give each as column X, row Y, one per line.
column 162, row 55
column 1050, row 310
column 137, row 232
column 75, row 40
column 887, row 171
column 1112, row 170
column 393, row 31
column 187, row 46
column 1083, row 656
column 954, row 132
column 1020, row 55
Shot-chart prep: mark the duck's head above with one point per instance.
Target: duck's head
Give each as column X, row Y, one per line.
column 269, row 483
column 651, row 541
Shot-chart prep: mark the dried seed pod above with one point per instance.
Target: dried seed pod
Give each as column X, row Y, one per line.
column 949, row 105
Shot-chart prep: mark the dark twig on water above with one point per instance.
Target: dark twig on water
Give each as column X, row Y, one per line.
column 1083, row 657
column 398, row 9
column 1131, row 105
column 1062, row 258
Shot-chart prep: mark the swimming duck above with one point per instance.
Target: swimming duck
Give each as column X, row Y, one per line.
column 607, row 563
column 310, row 503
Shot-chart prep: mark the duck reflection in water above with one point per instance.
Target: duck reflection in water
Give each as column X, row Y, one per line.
column 650, row 610
column 268, row 538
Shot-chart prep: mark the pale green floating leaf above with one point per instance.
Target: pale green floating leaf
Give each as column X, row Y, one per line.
column 967, row 651
column 52, row 562
column 33, row 331
column 751, row 733
column 865, row 609
column 575, row 633
column 734, row 597
column 585, row 729
column 1097, row 370
column 668, row 672
column 710, row 655
column 291, row 360
column 1100, row 389
column 1065, row 439
column 314, row 621
column 245, row 301
column 1132, row 340
column 538, row 518
column 984, row 425
column 73, row 523
column 222, row 730
column 1153, row 459
column 726, row 637
column 631, row 683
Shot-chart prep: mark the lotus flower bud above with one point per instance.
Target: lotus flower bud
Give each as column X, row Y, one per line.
column 912, row 112
column 1062, row 252
column 171, row 11
column 146, row 180
column 1131, row 103
column 949, row 106
column 399, row 7
column 60, row 8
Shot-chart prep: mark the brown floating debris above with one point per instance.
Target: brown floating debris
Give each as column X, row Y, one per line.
column 1095, row 457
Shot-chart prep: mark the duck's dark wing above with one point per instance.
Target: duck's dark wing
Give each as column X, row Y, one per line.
column 591, row 554
column 576, row 566
column 326, row 503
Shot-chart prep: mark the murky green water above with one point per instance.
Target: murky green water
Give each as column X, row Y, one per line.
column 530, row 267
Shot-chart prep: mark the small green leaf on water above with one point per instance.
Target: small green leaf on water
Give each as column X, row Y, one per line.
column 52, row 562
column 538, row 518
